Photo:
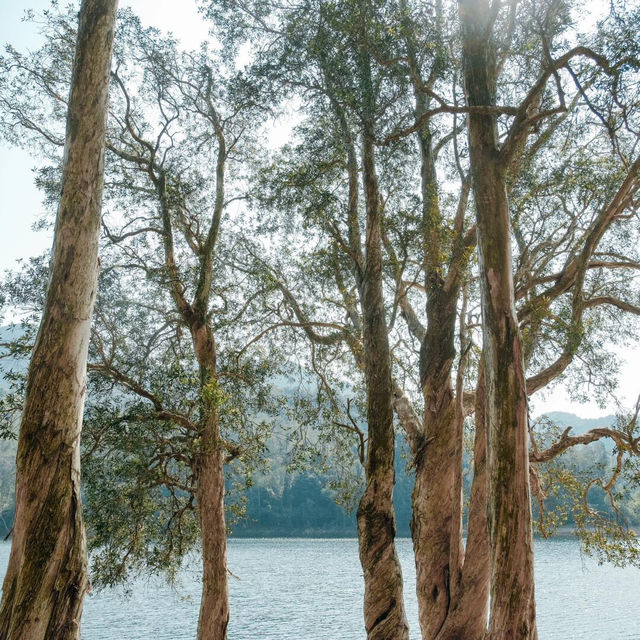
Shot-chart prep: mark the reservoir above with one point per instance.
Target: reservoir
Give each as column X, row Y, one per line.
column 311, row 589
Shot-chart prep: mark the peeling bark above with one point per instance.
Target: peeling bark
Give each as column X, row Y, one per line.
column 436, row 524
column 47, row 577
column 384, row 613
column 467, row 617
column 509, row 507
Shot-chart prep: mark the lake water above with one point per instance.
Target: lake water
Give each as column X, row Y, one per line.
column 299, row 589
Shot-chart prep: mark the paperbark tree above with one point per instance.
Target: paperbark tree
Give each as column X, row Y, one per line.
column 170, row 199
column 457, row 606
column 510, row 526
column 383, row 600
column 47, row 579
column 436, row 524
column 188, row 232
column 333, row 64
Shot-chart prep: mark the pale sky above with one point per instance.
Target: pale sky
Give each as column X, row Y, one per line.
column 21, row 202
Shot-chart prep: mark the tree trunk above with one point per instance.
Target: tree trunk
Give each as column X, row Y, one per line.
column 467, row 616
column 436, row 525
column 214, row 605
column 512, row 586
column 47, row 579
column 384, row 613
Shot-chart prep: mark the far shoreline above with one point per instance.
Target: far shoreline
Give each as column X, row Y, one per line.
column 561, row 533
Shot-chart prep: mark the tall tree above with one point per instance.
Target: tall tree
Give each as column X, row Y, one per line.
column 171, row 113
column 383, row 611
column 496, row 161
column 202, row 114
column 447, row 243
column 452, row 582
column 325, row 50
column 46, row 579
column 510, row 528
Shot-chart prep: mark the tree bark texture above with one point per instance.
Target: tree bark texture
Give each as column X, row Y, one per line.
column 436, row 523
column 214, row 605
column 512, row 612
column 384, row 613
column 467, row 615
column 47, row 578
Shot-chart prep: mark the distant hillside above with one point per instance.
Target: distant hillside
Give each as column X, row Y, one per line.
column 579, row 425
column 282, row 503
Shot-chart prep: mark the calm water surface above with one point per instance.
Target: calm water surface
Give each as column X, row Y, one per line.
column 294, row 589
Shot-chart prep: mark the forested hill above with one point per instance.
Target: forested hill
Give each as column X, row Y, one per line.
column 301, row 503
column 282, row 503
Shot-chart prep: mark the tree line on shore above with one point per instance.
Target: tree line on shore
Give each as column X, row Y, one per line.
column 449, row 228
column 304, row 503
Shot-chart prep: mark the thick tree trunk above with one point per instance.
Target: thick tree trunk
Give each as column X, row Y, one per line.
column 214, row 606
column 467, row 616
column 512, row 586
column 47, row 579
column 436, row 525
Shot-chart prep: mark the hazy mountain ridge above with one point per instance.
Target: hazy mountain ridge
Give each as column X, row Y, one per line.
column 579, row 425
column 289, row 504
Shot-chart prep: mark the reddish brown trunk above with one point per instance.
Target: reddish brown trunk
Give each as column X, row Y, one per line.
column 512, row 586
column 467, row 617
column 214, row 605
column 46, row 579
column 384, row 614
column 436, row 525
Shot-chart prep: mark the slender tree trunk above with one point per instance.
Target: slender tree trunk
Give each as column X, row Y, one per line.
column 384, row 613
column 47, row 579
column 512, row 585
column 467, row 617
column 214, row 605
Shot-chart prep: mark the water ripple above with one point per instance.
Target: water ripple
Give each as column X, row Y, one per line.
column 293, row 589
